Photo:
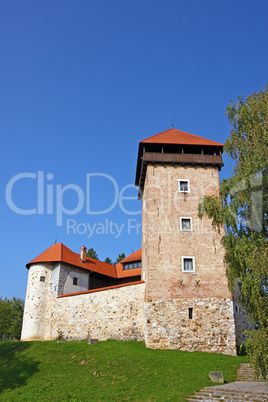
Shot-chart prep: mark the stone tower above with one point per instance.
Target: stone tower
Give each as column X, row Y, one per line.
column 188, row 303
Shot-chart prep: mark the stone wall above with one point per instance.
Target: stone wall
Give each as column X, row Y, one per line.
column 38, row 300
column 121, row 313
column 170, row 292
column 211, row 328
column 164, row 243
column 116, row 313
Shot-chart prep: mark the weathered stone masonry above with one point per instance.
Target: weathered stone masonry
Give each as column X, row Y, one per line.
column 116, row 313
column 170, row 292
column 210, row 330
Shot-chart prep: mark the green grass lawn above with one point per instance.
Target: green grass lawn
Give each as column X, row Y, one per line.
column 112, row 370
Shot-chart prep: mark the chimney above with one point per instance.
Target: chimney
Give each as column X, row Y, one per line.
column 83, row 253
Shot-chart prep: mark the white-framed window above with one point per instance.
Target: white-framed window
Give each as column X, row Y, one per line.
column 184, row 185
column 186, row 224
column 188, row 264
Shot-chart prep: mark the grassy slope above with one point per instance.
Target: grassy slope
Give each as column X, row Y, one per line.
column 41, row 371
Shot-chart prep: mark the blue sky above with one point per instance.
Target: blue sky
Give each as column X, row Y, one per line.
column 82, row 82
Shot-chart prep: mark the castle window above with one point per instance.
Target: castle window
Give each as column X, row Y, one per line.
column 186, row 224
column 184, row 186
column 75, row 281
column 188, row 264
column 190, row 313
column 42, row 278
column 132, row 265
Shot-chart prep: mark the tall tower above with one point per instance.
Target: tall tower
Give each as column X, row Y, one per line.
column 188, row 303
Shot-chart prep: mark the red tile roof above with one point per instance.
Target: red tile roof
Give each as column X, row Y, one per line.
column 60, row 253
column 136, row 256
column 174, row 136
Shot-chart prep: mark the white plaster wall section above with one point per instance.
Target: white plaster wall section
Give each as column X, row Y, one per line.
column 63, row 276
column 81, row 277
column 55, row 279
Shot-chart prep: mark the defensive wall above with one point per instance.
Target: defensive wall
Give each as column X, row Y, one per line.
column 116, row 312
column 121, row 312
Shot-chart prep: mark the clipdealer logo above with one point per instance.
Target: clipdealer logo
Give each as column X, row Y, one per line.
column 50, row 197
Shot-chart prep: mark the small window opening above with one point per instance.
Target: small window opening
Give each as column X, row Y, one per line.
column 190, row 313
column 134, row 265
column 42, row 278
column 188, row 264
column 75, row 280
column 186, row 224
column 184, row 186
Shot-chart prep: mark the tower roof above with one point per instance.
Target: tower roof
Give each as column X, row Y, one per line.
column 176, row 147
column 174, row 136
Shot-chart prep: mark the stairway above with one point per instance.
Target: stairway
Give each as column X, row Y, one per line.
column 246, row 373
column 246, row 388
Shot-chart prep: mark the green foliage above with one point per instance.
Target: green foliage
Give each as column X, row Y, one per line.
column 257, row 348
column 108, row 371
column 92, row 254
column 11, row 313
column 119, row 258
column 242, row 207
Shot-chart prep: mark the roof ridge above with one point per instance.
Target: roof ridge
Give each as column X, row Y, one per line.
column 61, row 251
column 58, row 252
column 175, row 136
column 155, row 135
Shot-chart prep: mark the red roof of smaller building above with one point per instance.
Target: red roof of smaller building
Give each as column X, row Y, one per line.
column 60, row 253
column 136, row 256
column 121, row 273
column 174, row 136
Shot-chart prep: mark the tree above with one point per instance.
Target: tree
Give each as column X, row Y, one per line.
column 108, row 260
column 242, row 207
column 11, row 313
column 92, row 254
column 119, row 258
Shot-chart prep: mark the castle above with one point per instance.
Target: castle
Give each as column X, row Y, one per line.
column 173, row 293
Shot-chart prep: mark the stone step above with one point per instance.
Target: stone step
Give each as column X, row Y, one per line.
column 246, row 373
column 223, row 396
column 227, row 393
column 215, row 399
column 235, row 393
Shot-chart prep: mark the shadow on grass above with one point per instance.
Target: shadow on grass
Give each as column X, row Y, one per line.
column 15, row 365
